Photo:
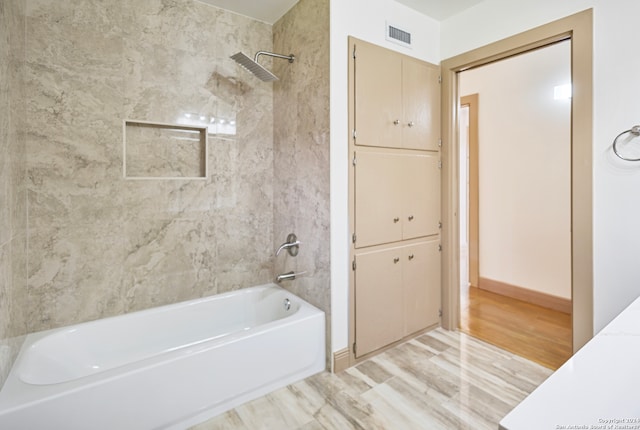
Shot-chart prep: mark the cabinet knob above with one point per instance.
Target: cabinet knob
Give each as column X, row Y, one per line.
column 396, row 122
column 395, row 260
column 411, row 124
column 396, row 219
column 410, row 217
column 411, row 256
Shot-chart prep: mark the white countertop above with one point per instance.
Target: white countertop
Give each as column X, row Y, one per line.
column 597, row 388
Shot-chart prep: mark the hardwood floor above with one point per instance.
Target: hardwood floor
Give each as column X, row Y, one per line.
column 440, row 380
column 536, row 333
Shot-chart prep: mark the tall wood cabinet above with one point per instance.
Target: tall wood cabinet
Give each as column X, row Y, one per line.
column 394, row 196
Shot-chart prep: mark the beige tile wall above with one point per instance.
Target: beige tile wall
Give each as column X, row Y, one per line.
column 101, row 245
column 13, row 218
column 301, row 149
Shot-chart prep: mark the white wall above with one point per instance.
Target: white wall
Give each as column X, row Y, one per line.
column 616, row 108
column 525, row 169
column 364, row 19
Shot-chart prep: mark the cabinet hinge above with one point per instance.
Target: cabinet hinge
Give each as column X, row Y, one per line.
column 353, row 134
column 354, row 52
column 353, row 264
column 440, row 225
column 440, row 247
column 440, row 143
column 440, row 313
column 439, row 164
column 354, row 348
column 353, row 236
column 354, row 159
column 439, row 76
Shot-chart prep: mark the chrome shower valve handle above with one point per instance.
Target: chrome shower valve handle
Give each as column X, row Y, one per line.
column 292, row 245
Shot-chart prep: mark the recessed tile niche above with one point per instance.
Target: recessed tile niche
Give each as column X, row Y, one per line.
column 164, row 151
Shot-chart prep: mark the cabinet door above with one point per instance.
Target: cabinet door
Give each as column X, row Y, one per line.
column 421, row 195
column 379, row 318
column 421, row 105
column 421, row 285
column 378, row 96
column 378, row 198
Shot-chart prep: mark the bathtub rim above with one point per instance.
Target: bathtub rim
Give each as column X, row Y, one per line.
column 17, row 394
column 45, row 340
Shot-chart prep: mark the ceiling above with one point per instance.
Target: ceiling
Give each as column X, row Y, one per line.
column 439, row 9
column 270, row 11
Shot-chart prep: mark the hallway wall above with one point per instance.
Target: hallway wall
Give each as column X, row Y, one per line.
column 525, row 169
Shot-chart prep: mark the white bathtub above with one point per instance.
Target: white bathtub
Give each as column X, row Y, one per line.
column 164, row 368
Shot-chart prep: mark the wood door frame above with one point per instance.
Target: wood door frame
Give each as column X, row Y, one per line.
column 473, row 216
column 579, row 29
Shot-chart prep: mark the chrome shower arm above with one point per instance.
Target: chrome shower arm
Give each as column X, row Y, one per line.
column 290, row 57
column 256, row 68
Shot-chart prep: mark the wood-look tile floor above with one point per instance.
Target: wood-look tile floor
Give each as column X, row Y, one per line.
column 536, row 333
column 440, row 380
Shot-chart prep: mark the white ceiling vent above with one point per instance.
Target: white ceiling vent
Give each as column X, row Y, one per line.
column 397, row 35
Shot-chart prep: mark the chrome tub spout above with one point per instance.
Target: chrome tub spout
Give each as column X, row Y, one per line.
column 289, row 276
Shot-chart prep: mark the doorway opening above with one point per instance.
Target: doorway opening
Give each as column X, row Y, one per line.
column 577, row 30
column 515, row 205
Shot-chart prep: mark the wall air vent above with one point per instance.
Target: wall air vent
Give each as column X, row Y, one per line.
column 397, row 35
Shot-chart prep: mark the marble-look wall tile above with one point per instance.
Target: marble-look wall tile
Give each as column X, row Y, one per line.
column 100, row 244
column 5, row 310
column 5, row 107
column 12, row 184
column 18, row 156
column 301, row 142
column 74, row 273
